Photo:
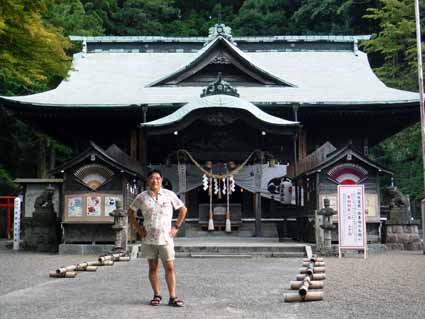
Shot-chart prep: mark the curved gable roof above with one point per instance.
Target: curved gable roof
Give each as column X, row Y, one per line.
column 221, row 48
column 215, row 102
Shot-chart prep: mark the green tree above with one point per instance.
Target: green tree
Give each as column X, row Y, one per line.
column 72, row 18
column 196, row 17
column 332, row 17
column 144, row 17
column 19, row 147
column 7, row 186
column 32, row 55
column 105, row 10
column 395, row 45
column 32, row 58
column 262, row 17
column 402, row 154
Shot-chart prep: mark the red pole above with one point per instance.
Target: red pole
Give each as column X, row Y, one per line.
column 9, row 219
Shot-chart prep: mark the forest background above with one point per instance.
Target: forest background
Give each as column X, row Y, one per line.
column 35, row 55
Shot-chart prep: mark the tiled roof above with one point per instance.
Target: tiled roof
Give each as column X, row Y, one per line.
column 319, row 77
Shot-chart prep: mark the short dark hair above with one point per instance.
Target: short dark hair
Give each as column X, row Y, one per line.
column 153, row 172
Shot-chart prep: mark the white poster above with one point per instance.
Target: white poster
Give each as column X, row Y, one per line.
column 75, row 206
column 93, row 206
column 351, row 217
column 111, row 204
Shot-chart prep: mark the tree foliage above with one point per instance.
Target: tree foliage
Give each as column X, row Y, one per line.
column 33, row 47
column 20, row 150
column 32, row 54
column 395, row 43
column 71, row 17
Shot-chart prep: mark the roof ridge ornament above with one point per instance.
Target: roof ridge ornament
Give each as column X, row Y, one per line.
column 219, row 86
column 220, row 30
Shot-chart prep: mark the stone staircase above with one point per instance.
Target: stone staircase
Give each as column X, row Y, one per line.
column 229, row 247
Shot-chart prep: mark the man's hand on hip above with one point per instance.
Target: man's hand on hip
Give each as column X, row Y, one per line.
column 173, row 232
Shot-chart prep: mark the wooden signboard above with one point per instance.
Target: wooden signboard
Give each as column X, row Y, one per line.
column 351, row 218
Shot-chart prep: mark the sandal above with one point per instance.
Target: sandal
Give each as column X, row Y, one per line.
column 176, row 302
column 156, row 300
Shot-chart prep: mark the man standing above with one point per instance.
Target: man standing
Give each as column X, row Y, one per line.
column 157, row 205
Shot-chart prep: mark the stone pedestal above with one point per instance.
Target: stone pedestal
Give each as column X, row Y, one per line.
column 403, row 236
column 41, row 231
column 400, row 216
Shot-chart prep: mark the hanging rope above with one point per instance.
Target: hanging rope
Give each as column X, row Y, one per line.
column 217, row 176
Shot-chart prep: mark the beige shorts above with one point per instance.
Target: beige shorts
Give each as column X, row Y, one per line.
column 164, row 252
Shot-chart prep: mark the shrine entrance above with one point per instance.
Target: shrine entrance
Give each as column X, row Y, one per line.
column 221, row 152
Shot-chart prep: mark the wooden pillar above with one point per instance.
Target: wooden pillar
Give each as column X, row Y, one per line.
column 142, row 146
column 133, row 144
column 42, row 158
column 318, row 204
column 366, row 146
column 296, row 192
column 295, row 138
column 302, row 144
column 143, row 156
column 258, row 230
column 52, row 158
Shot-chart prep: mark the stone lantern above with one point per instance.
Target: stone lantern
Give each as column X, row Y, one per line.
column 327, row 212
column 120, row 227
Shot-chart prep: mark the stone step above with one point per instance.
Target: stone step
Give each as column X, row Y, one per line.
column 220, row 256
column 238, row 248
column 241, row 255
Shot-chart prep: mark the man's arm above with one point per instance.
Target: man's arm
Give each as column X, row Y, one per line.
column 180, row 219
column 132, row 218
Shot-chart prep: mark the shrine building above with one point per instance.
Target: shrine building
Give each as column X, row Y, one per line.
column 255, row 131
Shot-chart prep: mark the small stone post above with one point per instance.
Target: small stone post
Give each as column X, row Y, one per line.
column 327, row 212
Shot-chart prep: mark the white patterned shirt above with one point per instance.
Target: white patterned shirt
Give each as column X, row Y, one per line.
column 157, row 214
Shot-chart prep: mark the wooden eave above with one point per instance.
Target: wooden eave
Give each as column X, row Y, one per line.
column 340, row 154
column 101, row 154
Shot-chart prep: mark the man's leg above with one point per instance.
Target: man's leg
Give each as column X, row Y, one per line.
column 170, row 277
column 153, row 276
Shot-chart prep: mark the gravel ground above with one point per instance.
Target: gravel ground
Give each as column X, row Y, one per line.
column 383, row 286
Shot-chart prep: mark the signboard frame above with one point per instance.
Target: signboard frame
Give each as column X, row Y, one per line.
column 356, row 213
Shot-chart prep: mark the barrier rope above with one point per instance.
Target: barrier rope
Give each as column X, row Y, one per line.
column 210, row 174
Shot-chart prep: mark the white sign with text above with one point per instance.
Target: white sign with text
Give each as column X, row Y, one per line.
column 351, row 217
column 17, row 223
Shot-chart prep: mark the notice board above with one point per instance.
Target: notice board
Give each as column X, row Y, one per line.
column 351, row 218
